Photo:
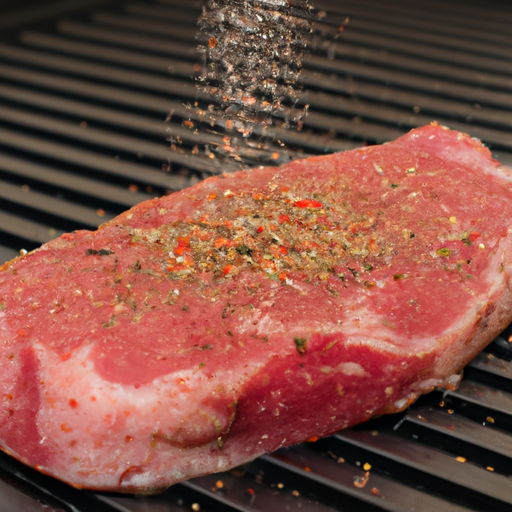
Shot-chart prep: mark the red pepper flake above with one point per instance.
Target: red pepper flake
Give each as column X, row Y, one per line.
column 283, row 250
column 73, row 403
column 227, row 269
column 224, row 242
column 260, row 229
column 283, row 218
column 22, row 332
column 282, row 276
column 250, row 491
column 308, row 203
column 473, row 236
column 212, row 42
column 65, row 357
column 211, row 197
column 65, row 428
column 312, row 439
column 128, row 439
column 183, row 245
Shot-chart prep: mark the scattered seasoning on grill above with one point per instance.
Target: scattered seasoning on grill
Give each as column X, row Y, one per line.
column 367, row 466
column 296, row 493
column 489, row 468
column 195, row 507
column 461, row 459
column 375, row 491
column 361, row 481
column 490, row 419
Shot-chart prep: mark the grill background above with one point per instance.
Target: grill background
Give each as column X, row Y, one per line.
column 85, row 88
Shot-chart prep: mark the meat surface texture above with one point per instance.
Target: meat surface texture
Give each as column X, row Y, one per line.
column 200, row 330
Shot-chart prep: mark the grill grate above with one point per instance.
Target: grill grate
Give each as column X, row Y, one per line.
column 85, row 88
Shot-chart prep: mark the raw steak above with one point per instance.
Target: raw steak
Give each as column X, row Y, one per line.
column 254, row 310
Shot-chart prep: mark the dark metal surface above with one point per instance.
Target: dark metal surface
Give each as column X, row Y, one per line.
column 85, row 89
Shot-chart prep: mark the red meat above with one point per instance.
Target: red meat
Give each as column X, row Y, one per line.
column 254, row 310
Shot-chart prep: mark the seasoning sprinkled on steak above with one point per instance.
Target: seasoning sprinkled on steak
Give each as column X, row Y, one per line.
column 252, row 311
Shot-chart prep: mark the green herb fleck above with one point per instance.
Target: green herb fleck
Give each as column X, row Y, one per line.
column 501, row 270
column 412, row 235
column 110, row 323
column 230, row 333
column 466, row 241
column 459, row 266
column 355, row 273
column 331, row 344
column 396, row 277
column 185, row 308
column 3, row 305
column 387, row 323
column 243, row 249
column 300, row 343
column 394, row 185
column 101, row 252
column 368, row 267
column 412, row 170
column 209, row 346
column 201, row 365
column 444, row 251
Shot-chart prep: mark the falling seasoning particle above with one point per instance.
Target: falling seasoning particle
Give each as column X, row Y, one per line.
column 489, row 468
column 100, row 212
column 450, row 411
column 133, row 188
column 195, row 507
column 461, row 459
column 280, row 486
column 296, row 493
column 489, row 419
column 375, row 491
column 219, row 484
column 441, row 404
column 367, row 466
column 308, row 469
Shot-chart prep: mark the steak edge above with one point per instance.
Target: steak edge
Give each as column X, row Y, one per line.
column 252, row 311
